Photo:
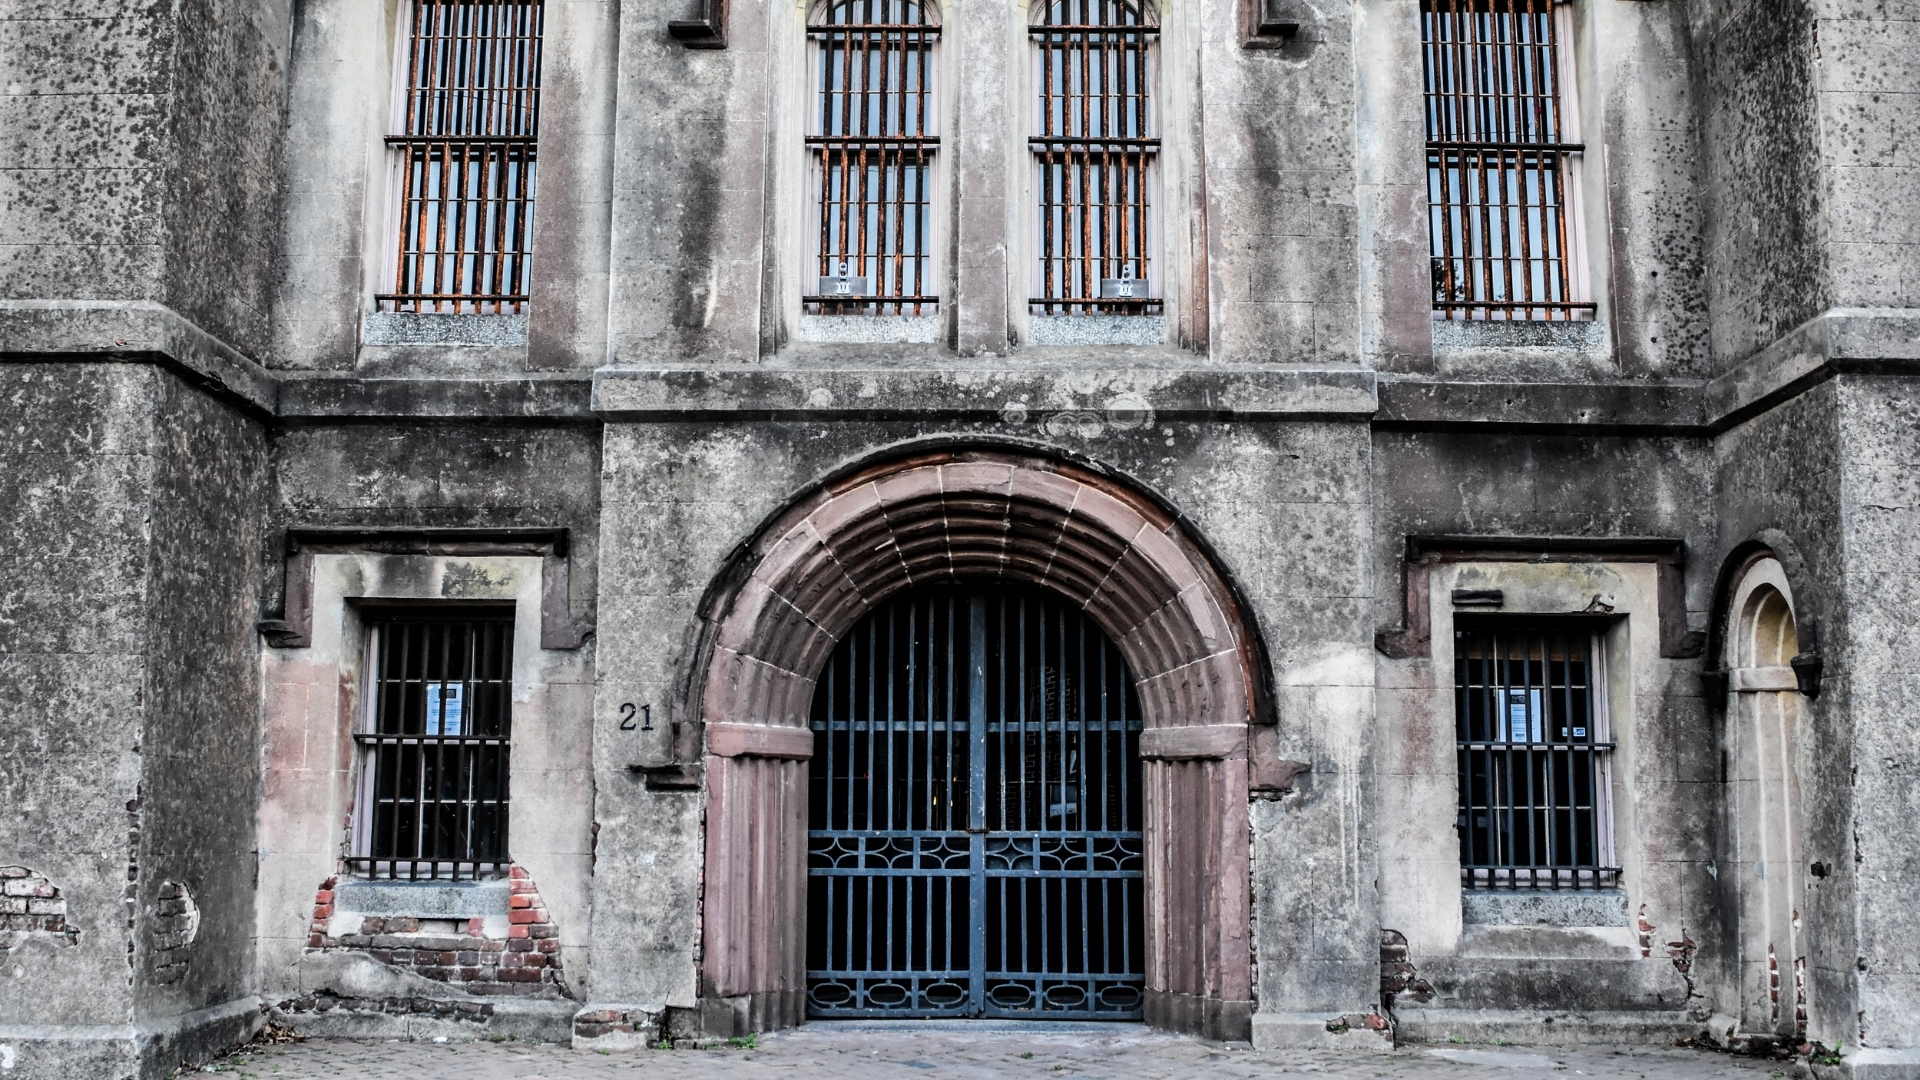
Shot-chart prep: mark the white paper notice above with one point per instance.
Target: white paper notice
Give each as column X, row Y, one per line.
column 445, row 712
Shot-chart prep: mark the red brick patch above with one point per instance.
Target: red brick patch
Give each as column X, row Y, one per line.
column 467, row 961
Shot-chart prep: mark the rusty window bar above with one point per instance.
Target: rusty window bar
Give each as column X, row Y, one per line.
column 465, row 157
column 1498, row 162
column 1094, row 149
column 436, row 749
column 873, row 143
column 1533, row 747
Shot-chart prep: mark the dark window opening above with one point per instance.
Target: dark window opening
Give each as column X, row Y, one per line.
column 1094, row 149
column 435, row 746
column 1533, row 745
column 873, row 137
column 464, row 155
column 1499, row 163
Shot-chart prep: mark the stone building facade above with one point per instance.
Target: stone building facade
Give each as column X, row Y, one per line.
column 1632, row 524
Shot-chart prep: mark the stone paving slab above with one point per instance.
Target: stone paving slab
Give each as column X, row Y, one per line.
column 957, row 1053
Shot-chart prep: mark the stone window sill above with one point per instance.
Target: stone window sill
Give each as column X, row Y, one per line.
column 1544, row 907
column 415, row 328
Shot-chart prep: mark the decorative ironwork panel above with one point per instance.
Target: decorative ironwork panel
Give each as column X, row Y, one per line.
column 1533, row 743
column 1094, row 147
column 465, row 155
column 874, row 134
column 975, row 837
column 1498, row 162
column 435, row 749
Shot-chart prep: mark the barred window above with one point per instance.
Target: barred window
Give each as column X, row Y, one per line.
column 1534, row 755
column 874, row 132
column 1502, row 157
column 1094, row 149
column 463, row 156
column 435, row 745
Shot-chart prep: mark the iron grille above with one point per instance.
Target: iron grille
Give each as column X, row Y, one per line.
column 975, row 835
column 873, row 143
column 1498, row 162
column 1094, row 150
column 1533, row 749
column 434, row 755
column 465, row 155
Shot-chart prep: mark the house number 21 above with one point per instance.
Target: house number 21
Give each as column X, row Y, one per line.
column 627, row 712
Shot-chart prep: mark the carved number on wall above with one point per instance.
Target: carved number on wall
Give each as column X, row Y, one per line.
column 627, row 710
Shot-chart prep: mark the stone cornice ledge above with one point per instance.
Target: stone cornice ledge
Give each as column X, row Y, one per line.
column 135, row 330
column 1837, row 341
column 560, row 396
column 977, row 391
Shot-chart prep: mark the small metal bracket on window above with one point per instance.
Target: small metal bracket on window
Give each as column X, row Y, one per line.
column 845, row 283
column 1806, row 673
column 1490, row 598
column 1271, row 24
column 706, row 30
column 668, row 777
column 1124, row 287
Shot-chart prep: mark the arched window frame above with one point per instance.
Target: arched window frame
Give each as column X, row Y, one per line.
column 884, row 261
column 1114, row 267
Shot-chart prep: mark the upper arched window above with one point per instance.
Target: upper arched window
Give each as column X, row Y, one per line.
column 873, row 133
column 1094, row 146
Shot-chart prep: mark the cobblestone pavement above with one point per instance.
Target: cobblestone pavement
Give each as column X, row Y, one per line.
column 873, row 1053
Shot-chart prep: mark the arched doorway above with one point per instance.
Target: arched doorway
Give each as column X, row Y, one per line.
column 840, row 553
column 1763, row 775
column 975, row 843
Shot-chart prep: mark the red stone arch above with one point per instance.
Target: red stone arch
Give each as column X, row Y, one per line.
column 978, row 514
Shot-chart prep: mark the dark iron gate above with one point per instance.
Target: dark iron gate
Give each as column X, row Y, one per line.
column 974, row 843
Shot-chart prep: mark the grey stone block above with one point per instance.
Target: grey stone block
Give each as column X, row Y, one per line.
column 423, row 899
column 869, row 329
column 412, row 328
column 1544, row 907
column 1479, row 335
column 1098, row 330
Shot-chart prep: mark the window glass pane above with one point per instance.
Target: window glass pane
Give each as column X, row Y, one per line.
column 873, row 137
column 1094, row 150
column 1531, row 797
column 438, row 747
column 1497, row 161
column 463, row 151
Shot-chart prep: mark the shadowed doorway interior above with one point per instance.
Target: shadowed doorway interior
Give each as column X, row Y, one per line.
column 974, row 834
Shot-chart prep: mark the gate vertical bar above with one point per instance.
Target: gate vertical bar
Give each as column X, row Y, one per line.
column 977, row 800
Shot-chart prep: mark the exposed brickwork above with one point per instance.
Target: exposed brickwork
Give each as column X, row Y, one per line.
column 478, row 1012
column 598, row 1023
column 32, row 905
column 175, row 924
column 1398, row 978
column 524, row 962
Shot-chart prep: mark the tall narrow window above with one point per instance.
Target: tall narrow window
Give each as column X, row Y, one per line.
column 874, row 131
column 434, row 746
column 1094, row 147
column 463, row 153
column 1530, row 705
column 1502, row 156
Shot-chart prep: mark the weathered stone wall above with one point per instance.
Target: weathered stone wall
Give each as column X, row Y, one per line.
column 1783, row 471
column 1766, row 220
column 1666, row 772
column 131, row 730
column 200, row 751
column 1281, row 504
column 141, row 141
column 1875, row 680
